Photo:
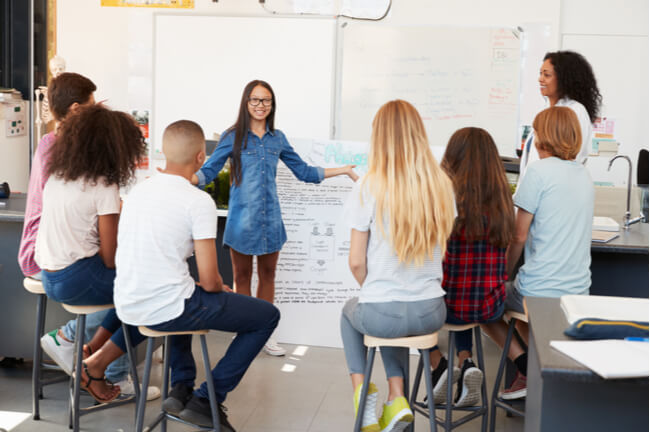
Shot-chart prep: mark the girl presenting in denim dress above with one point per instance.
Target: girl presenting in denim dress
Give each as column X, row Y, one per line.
column 254, row 226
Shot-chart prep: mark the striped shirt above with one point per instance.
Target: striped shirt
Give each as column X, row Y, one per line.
column 37, row 179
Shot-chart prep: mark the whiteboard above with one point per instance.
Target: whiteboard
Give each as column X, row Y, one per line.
column 202, row 64
column 454, row 76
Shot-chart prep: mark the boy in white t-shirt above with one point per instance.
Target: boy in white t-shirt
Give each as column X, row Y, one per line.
column 164, row 220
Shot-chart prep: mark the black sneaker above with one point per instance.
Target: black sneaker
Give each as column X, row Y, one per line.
column 197, row 411
column 468, row 392
column 177, row 399
column 439, row 381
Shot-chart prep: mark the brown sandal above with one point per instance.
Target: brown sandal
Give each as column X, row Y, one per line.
column 86, row 386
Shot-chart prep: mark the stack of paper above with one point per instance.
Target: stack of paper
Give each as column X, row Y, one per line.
column 605, row 223
column 578, row 307
column 602, row 236
column 610, row 359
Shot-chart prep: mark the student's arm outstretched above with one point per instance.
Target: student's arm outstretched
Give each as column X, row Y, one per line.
column 309, row 173
column 214, row 164
column 358, row 252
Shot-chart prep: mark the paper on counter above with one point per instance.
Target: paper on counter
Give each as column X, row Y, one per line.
column 610, row 359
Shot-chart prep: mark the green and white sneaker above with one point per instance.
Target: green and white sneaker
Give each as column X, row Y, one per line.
column 397, row 415
column 60, row 350
column 369, row 421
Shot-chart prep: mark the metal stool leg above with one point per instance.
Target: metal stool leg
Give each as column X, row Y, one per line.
column 364, row 388
column 79, row 343
column 416, row 381
column 37, row 389
column 216, row 424
column 500, row 369
column 406, row 374
column 132, row 365
column 165, row 380
column 426, row 362
column 450, row 383
column 481, row 366
column 139, row 419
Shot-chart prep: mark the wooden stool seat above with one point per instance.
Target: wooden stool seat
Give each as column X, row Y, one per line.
column 457, row 328
column 511, row 314
column 416, row 342
column 33, row 286
column 148, row 332
column 86, row 309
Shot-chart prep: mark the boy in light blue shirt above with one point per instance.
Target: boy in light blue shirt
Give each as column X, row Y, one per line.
column 555, row 205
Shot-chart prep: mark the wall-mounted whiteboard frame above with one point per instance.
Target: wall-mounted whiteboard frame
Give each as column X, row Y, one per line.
column 454, row 76
column 201, row 64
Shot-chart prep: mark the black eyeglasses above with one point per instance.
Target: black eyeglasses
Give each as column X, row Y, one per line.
column 256, row 101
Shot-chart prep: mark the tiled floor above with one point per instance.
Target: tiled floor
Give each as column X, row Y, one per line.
column 307, row 391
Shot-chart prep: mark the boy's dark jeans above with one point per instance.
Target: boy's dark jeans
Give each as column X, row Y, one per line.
column 252, row 319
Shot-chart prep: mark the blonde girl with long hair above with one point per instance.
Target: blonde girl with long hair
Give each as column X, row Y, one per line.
column 401, row 214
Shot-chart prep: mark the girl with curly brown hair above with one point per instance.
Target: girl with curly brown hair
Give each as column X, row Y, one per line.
column 96, row 151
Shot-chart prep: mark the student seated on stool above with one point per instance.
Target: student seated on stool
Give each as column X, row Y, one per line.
column 555, row 204
column 164, row 220
column 475, row 263
column 401, row 214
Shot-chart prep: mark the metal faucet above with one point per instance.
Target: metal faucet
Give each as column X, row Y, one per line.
column 627, row 221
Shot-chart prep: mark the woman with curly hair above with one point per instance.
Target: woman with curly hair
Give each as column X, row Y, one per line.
column 96, row 152
column 567, row 80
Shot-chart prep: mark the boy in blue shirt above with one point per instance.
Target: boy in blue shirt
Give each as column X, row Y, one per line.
column 555, row 203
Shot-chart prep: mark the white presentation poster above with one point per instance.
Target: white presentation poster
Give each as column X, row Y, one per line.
column 313, row 280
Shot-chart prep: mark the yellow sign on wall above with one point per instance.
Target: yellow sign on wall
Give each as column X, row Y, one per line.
column 172, row 4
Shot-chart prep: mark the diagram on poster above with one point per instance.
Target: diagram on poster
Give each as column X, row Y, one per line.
column 313, row 279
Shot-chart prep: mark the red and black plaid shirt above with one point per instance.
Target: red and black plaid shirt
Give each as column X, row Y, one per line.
column 474, row 278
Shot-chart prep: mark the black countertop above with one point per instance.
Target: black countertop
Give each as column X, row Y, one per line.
column 548, row 322
column 12, row 209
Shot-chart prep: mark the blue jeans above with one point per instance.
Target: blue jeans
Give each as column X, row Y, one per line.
column 252, row 319
column 387, row 320
column 89, row 282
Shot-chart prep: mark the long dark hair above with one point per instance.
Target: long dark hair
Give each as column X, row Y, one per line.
column 97, row 142
column 241, row 126
column 483, row 197
column 576, row 80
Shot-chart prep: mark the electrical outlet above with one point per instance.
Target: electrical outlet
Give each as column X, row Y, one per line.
column 15, row 128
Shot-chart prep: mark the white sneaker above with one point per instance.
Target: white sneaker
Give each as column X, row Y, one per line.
column 60, row 350
column 272, row 348
column 127, row 388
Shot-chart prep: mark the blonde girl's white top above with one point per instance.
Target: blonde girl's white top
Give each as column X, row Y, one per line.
column 389, row 280
column 530, row 153
column 68, row 231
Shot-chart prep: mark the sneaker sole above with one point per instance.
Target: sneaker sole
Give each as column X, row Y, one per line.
column 49, row 347
column 274, row 352
column 195, row 418
column 514, row 395
column 400, row 421
column 440, row 388
column 471, row 394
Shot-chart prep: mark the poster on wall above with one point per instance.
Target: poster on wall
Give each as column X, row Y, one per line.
column 313, row 279
column 171, row 4
column 142, row 119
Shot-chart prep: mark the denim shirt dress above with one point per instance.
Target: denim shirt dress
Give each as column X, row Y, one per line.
column 254, row 226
